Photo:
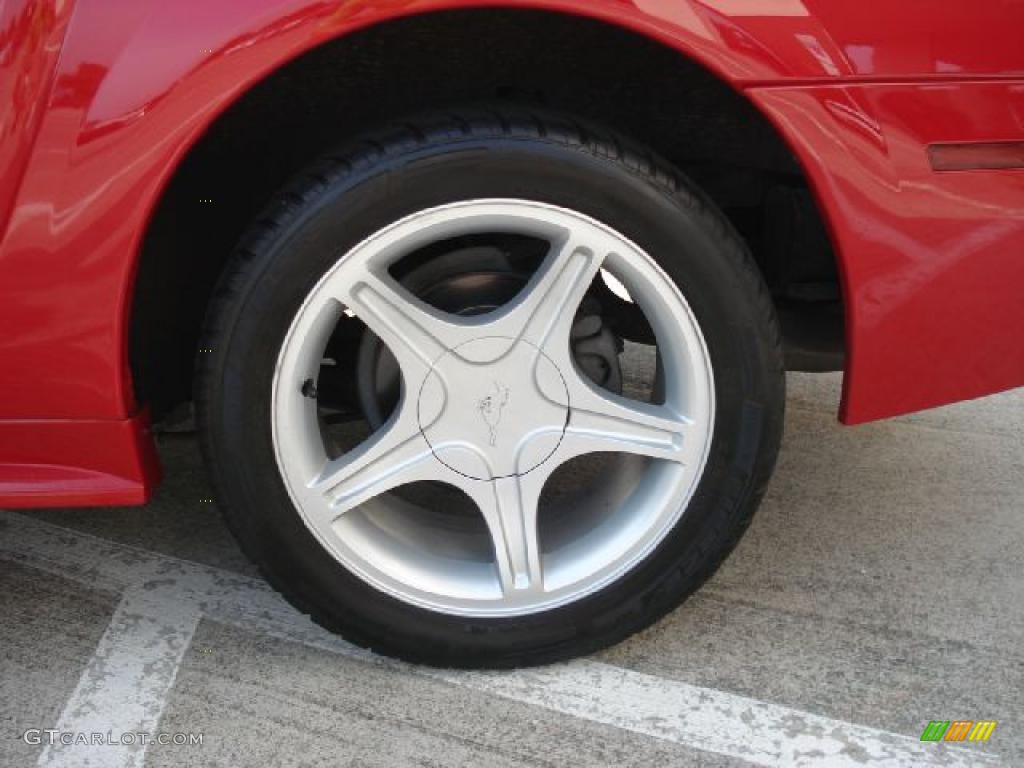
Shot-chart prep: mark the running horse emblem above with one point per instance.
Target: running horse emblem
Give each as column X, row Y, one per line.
column 491, row 406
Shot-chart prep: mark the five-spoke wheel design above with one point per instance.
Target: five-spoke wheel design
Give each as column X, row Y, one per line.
column 493, row 404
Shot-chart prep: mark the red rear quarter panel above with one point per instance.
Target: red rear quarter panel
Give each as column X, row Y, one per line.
column 94, row 128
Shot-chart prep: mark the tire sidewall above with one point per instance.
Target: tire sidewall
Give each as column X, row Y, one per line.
column 667, row 219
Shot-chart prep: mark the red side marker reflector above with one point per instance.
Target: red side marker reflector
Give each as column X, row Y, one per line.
column 976, row 156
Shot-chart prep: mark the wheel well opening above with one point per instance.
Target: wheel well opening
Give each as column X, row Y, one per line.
column 579, row 66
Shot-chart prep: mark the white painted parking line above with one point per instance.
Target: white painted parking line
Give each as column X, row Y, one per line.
column 124, row 687
column 711, row 720
column 706, row 719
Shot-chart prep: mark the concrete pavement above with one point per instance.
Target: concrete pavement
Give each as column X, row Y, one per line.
column 880, row 587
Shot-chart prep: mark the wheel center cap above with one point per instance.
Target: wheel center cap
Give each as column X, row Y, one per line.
column 493, row 407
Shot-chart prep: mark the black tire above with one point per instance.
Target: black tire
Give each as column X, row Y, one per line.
column 487, row 154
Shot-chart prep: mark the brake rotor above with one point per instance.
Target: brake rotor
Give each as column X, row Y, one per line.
column 471, row 281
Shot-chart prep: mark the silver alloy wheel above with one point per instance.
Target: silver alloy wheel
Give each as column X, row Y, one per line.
column 493, row 404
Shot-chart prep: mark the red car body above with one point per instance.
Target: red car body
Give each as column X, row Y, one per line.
column 100, row 101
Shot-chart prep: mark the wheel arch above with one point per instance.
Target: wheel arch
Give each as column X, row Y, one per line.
column 717, row 72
